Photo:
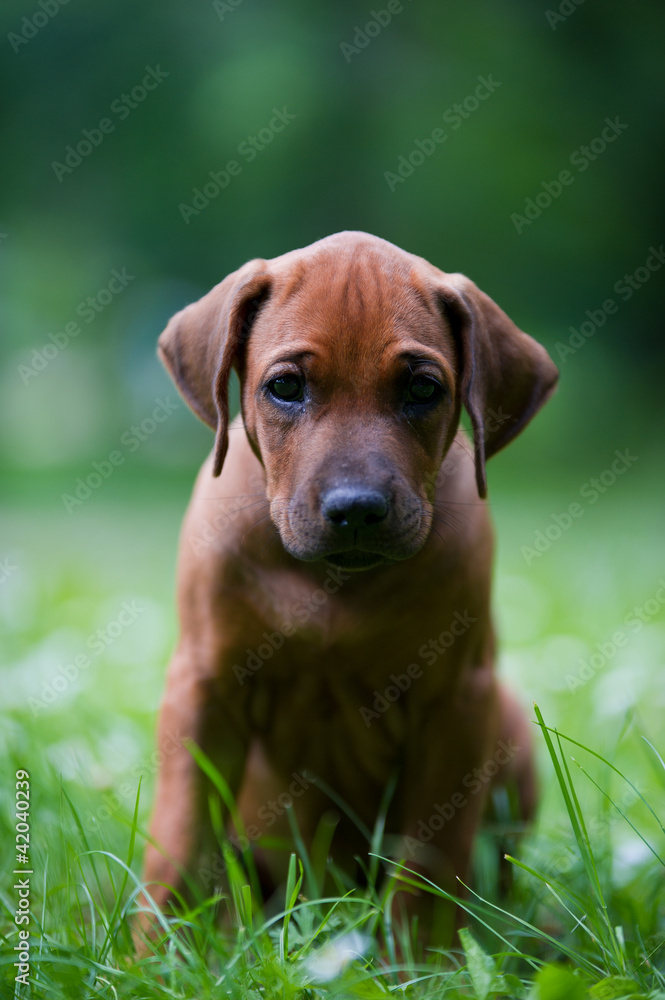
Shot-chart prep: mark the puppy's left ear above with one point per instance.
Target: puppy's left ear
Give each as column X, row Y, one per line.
column 505, row 375
column 201, row 343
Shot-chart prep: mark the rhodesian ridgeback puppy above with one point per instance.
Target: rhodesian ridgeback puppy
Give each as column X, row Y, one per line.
column 335, row 562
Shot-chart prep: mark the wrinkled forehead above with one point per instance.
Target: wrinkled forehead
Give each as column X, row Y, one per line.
column 359, row 305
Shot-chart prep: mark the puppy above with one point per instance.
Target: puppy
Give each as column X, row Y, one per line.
column 335, row 561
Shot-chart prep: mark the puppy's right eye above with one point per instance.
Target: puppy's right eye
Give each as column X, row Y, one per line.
column 287, row 388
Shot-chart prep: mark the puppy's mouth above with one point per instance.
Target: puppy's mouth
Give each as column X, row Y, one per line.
column 357, row 559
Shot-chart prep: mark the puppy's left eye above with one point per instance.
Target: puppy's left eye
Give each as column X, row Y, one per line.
column 289, row 388
column 423, row 389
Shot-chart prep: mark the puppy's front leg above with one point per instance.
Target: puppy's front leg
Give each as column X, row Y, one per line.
column 193, row 709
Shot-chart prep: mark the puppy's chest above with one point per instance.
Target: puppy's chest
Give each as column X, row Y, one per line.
column 327, row 671
column 371, row 691
column 323, row 717
column 338, row 616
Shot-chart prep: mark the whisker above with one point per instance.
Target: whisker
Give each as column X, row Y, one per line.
column 450, row 519
column 438, row 534
column 237, row 496
column 234, row 511
column 459, row 503
column 259, row 520
column 466, row 446
column 443, row 516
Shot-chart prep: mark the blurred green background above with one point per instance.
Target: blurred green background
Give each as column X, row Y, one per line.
column 219, row 70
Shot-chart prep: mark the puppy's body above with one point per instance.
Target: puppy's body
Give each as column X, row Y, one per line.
column 336, row 558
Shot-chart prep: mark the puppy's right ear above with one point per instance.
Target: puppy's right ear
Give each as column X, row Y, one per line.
column 500, row 367
column 201, row 343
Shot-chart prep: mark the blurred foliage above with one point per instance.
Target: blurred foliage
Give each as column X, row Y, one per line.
column 356, row 113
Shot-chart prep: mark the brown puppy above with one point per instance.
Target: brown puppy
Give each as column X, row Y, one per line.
column 334, row 580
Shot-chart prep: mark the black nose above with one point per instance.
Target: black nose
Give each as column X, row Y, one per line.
column 354, row 507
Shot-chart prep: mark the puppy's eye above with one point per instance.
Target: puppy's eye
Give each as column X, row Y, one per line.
column 423, row 389
column 289, row 388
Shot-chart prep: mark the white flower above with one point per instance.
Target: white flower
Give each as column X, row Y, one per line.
column 329, row 961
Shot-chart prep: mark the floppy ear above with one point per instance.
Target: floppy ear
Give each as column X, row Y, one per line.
column 201, row 342
column 506, row 376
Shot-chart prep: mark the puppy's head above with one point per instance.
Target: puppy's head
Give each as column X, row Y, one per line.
column 355, row 359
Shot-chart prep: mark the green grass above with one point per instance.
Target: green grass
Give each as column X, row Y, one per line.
column 585, row 916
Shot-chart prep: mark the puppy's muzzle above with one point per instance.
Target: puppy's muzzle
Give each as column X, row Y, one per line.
column 354, row 523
